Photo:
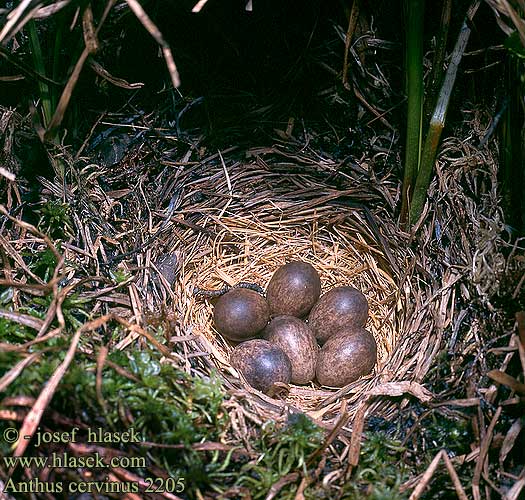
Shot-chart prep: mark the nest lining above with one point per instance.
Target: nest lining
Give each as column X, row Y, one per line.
column 262, row 224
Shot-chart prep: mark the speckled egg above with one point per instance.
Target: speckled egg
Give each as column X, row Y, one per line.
column 342, row 306
column 293, row 289
column 296, row 339
column 262, row 364
column 241, row 314
column 347, row 355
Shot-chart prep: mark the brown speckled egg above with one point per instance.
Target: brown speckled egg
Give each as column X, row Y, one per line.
column 296, row 339
column 241, row 314
column 346, row 356
column 262, row 364
column 340, row 307
column 293, row 289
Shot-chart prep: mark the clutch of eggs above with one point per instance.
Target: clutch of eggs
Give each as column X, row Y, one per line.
column 279, row 334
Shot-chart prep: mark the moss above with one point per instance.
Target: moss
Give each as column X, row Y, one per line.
column 42, row 263
column 55, row 219
column 381, row 469
column 283, row 450
column 166, row 405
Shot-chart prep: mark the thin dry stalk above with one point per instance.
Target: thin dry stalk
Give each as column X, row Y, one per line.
column 352, row 22
column 484, row 448
column 429, row 473
column 157, row 35
column 357, row 434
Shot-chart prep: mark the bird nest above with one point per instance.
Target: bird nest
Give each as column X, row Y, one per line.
column 244, row 222
column 221, row 221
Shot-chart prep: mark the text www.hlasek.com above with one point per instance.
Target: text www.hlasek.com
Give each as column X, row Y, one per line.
column 56, row 460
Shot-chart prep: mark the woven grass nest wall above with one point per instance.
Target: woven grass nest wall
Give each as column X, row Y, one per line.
column 254, row 218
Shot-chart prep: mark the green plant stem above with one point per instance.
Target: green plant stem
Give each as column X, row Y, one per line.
column 38, row 60
column 414, row 73
column 512, row 145
column 61, row 23
column 437, row 121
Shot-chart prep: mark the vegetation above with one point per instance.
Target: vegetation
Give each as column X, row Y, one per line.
column 128, row 156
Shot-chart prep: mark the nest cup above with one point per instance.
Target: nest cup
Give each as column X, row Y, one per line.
column 261, row 223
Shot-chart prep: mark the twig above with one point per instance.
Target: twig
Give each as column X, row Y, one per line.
column 280, row 484
column 32, row 229
column 454, row 476
column 341, row 422
column 352, row 22
column 357, row 434
column 137, row 9
column 483, row 450
column 101, row 359
column 11, row 375
column 427, row 476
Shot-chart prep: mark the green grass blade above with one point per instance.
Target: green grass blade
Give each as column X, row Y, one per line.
column 39, row 64
column 512, row 145
column 437, row 121
column 414, row 73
